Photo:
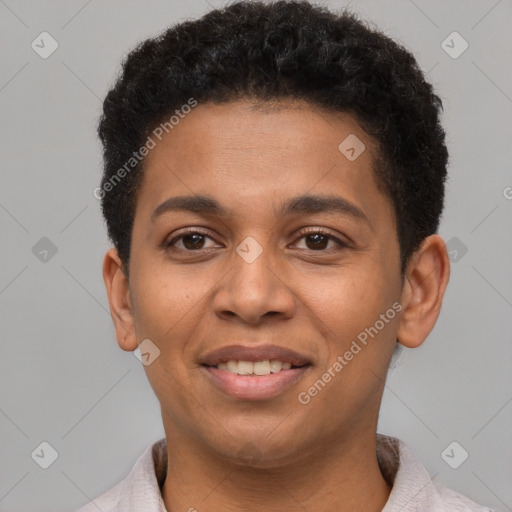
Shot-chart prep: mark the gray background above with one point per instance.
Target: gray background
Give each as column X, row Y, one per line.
column 63, row 378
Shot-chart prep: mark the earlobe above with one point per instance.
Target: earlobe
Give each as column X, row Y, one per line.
column 116, row 284
column 425, row 283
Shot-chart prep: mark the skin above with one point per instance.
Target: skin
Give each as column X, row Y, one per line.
column 276, row 454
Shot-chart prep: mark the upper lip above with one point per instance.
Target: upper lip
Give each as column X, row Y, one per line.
column 254, row 353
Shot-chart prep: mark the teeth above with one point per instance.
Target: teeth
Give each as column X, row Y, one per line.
column 231, row 366
column 265, row 367
column 245, row 368
column 262, row 368
column 275, row 366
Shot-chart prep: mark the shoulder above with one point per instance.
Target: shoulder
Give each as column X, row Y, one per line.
column 412, row 488
column 453, row 501
column 106, row 502
column 139, row 490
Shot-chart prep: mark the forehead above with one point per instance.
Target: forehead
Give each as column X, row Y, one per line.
column 250, row 155
column 287, row 131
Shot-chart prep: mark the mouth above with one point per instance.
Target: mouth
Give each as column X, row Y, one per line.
column 254, row 373
column 256, row 368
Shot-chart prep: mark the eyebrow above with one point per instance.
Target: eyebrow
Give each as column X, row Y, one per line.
column 305, row 204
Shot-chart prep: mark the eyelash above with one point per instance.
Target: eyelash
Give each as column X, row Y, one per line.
column 303, row 233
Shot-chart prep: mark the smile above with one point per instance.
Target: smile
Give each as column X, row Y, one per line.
column 254, row 368
column 251, row 385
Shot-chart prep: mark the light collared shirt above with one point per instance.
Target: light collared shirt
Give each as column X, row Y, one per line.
column 412, row 487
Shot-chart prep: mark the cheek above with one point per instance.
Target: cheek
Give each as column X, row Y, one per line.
column 165, row 305
column 353, row 301
column 167, row 311
column 358, row 341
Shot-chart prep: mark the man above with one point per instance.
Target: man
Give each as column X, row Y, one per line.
column 273, row 184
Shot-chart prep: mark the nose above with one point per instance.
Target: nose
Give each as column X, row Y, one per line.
column 254, row 291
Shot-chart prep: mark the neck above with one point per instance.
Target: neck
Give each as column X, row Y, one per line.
column 343, row 477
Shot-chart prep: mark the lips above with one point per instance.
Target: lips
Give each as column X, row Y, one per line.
column 285, row 369
column 254, row 388
column 254, row 354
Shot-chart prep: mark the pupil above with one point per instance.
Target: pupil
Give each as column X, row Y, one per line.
column 198, row 238
column 317, row 238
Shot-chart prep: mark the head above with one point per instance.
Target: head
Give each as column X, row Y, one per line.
column 274, row 174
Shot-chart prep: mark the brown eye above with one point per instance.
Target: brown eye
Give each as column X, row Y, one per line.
column 318, row 240
column 192, row 240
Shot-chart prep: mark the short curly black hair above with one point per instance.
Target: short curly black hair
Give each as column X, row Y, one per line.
column 276, row 51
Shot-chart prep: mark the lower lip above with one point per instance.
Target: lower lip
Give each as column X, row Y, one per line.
column 257, row 387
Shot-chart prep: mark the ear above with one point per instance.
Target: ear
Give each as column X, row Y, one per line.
column 425, row 283
column 119, row 300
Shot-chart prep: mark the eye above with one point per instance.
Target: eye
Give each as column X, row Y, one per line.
column 317, row 239
column 191, row 240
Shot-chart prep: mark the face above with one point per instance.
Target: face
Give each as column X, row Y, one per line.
column 291, row 256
